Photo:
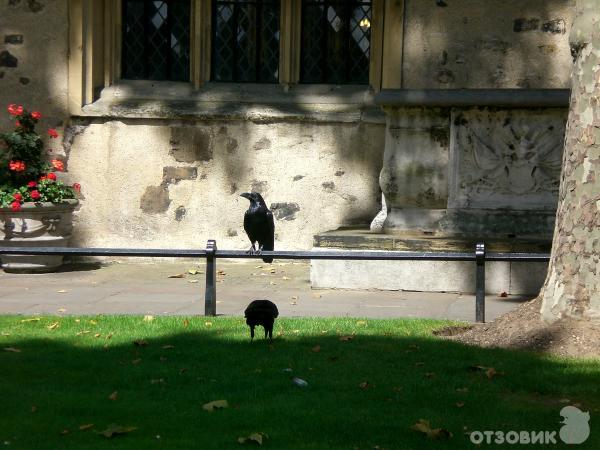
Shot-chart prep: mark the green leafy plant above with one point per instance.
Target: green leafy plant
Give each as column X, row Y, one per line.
column 25, row 173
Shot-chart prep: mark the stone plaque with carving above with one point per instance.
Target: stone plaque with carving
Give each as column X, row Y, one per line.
column 506, row 159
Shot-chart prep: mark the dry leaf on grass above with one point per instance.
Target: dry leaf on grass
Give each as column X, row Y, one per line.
column 316, row 349
column 347, row 338
column 115, row 430
column 140, row 343
column 192, row 281
column 361, row 323
column 490, row 372
column 157, row 381
column 195, row 271
column 423, row 426
column 53, row 326
column 114, row 396
column 12, row 349
column 61, row 310
column 364, row 385
column 33, row 319
column 86, row 426
column 148, row 318
column 62, row 291
column 186, row 323
column 167, row 347
column 460, row 404
column 215, row 404
column 254, row 438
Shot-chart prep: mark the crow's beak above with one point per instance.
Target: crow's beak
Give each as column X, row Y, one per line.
column 245, row 195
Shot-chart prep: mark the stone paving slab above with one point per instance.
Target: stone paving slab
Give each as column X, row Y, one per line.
column 129, row 288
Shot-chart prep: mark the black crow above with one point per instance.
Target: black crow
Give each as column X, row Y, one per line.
column 261, row 312
column 259, row 225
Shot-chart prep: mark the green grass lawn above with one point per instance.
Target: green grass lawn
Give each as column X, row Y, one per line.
column 369, row 381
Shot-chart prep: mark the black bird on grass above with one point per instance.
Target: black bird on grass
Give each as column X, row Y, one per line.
column 261, row 312
column 259, row 225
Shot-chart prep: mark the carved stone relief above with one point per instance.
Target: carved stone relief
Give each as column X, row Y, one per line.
column 506, row 159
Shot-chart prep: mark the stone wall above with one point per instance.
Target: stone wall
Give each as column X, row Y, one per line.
column 177, row 183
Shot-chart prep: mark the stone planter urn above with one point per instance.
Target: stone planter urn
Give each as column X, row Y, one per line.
column 36, row 225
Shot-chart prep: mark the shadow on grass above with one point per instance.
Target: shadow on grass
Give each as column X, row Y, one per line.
column 368, row 382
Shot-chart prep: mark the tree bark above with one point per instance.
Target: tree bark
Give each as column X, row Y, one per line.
column 572, row 287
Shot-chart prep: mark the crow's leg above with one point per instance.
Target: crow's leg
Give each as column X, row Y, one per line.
column 266, row 330
column 251, row 250
column 251, row 333
column 259, row 251
column 271, row 332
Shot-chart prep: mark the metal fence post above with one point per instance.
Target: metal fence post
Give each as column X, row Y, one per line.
column 210, row 293
column 480, row 282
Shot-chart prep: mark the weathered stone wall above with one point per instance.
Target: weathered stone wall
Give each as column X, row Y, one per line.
column 177, row 183
column 34, row 59
column 487, row 44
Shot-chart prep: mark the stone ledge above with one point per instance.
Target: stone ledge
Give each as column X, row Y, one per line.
column 448, row 98
column 230, row 101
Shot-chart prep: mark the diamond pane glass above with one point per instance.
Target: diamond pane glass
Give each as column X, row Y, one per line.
column 156, row 40
column 336, row 41
column 245, row 41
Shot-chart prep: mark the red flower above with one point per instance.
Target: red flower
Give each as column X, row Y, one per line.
column 17, row 123
column 15, row 110
column 77, row 187
column 17, row 166
column 18, row 197
column 51, row 176
column 35, row 194
column 58, row 165
column 52, row 133
column 31, row 184
column 36, row 115
column 15, row 206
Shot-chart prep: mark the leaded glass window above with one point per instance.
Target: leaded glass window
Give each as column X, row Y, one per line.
column 156, row 40
column 245, row 40
column 336, row 41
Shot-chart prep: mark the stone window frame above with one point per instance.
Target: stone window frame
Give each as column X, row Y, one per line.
column 95, row 47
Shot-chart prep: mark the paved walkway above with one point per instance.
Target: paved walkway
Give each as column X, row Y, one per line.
column 127, row 288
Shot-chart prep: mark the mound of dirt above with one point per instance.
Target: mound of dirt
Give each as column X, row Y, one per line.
column 522, row 328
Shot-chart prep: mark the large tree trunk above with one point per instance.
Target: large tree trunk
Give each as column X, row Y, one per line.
column 572, row 287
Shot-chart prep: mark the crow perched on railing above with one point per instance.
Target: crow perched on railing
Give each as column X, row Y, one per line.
column 259, row 225
column 261, row 312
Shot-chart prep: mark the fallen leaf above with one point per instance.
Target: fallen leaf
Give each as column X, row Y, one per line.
column 195, row 271
column 86, row 426
column 114, row 430
column 272, row 283
column 136, row 361
column 430, row 375
column 61, row 310
column 215, row 404
column 316, row 349
column 140, row 343
column 148, row 318
column 361, row 323
column 4, row 333
column 179, row 275
column 293, row 303
column 286, row 278
column 162, row 359
column 490, row 372
column 62, row 291
column 186, row 323
column 97, row 335
column 221, row 272
column 419, row 364
column 464, row 389
column 460, row 404
column 109, row 335
column 192, row 281
column 347, row 338
column 258, row 267
column 12, row 349
column 257, row 438
column 208, row 324
column 273, row 271
column 114, row 396
column 34, row 409
column 33, row 319
column 423, row 426
column 157, row 381
column 182, row 371
column 364, row 385
column 167, row 347
column 53, row 326
column 65, row 431
column 315, row 295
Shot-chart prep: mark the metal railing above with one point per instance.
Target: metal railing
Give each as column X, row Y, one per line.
column 211, row 253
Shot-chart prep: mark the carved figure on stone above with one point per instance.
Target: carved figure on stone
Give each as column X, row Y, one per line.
column 517, row 159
